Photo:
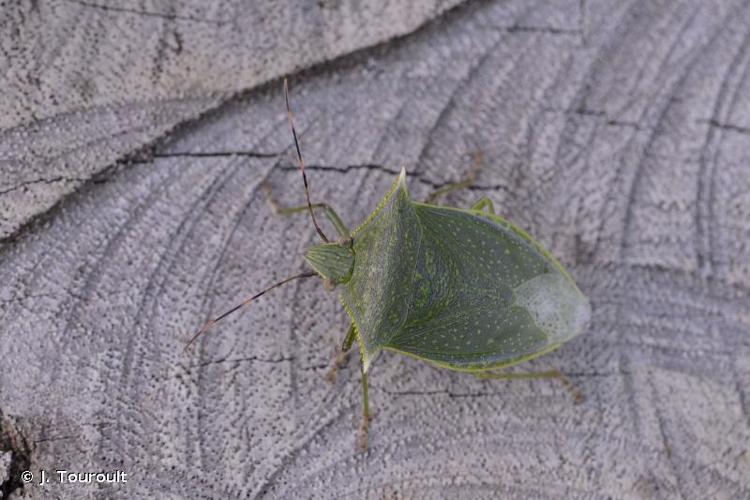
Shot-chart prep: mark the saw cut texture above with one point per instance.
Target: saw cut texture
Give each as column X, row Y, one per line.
column 459, row 288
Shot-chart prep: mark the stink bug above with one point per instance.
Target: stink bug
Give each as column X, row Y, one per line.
column 462, row 289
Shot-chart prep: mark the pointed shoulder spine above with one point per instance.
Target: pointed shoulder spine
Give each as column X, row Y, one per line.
column 399, row 183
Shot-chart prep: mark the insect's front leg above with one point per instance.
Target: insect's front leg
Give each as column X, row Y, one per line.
column 342, row 355
column 574, row 391
column 338, row 224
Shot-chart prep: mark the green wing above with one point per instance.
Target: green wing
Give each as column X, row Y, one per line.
column 486, row 294
column 459, row 288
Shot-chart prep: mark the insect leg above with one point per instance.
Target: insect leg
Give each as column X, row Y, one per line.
column 467, row 182
column 342, row 356
column 329, row 212
column 351, row 336
column 574, row 391
column 364, row 429
column 484, row 203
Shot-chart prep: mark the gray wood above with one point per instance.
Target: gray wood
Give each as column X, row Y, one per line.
column 617, row 133
column 88, row 83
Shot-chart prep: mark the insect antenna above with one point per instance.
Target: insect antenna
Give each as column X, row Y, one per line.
column 212, row 322
column 300, row 162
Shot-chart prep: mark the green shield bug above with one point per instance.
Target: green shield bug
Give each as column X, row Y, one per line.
column 462, row 289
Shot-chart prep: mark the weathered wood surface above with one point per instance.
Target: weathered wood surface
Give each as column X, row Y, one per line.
column 617, row 133
column 87, row 83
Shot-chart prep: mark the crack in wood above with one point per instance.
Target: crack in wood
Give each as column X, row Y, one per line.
column 216, row 154
column 725, row 126
column 414, row 174
column 550, row 30
column 418, row 175
column 582, row 111
column 479, row 394
column 147, row 13
column 51, row 180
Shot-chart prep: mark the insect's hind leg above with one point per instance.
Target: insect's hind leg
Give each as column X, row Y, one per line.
column 364, row 428
column 338, row 224
column 342, row 356
column 485, row 204
column 467, row 182
column 574, row 391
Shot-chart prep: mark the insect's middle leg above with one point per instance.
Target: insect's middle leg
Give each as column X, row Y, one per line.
column 342, row 355
column 364, row 428
column 484, row 203
column 338, row 224
column 467, row 182
column 574, row 391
